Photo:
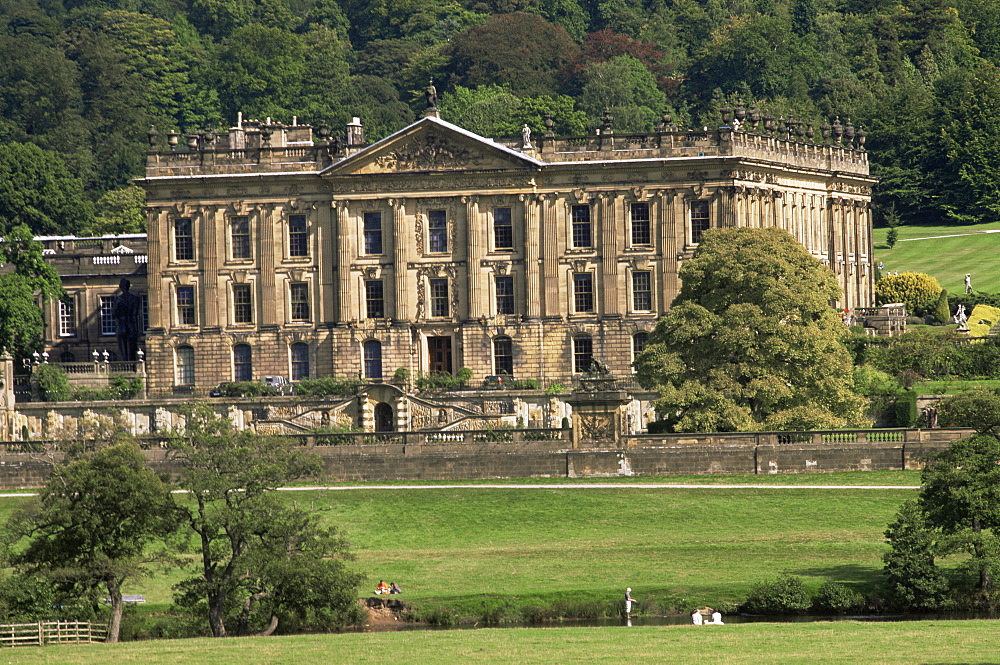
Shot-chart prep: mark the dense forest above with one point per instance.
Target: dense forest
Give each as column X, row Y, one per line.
column 82, row 81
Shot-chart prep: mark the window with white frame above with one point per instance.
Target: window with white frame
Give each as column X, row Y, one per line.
column 700, row 220
column 108, row 324
column 437, row 231
column 503, row 229
column 183, row 239
column 374, row 299
column 67, row 317
column 642, row 290
column 185, row 306
column 298, row 236
column 439, row 297
column 299, row 292
column 373, row 232
column 583, row 292
column 505, row 294
column 300, row 361
column 242, row 303
column 239, row 228
column 639, row 216
column 503, row 355
column 583, row 353
column 373, row 359
column 185, row 365
column 583, row 235
column 242, row 363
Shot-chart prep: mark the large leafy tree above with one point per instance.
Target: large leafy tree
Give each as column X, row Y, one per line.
column 262, row 562
column 38, row 190
column 751, row 342
column 95, row 523
column 28, row 279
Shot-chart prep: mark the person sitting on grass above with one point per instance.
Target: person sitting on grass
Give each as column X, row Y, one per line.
column 381, row 588
column 697, row 619
column 395, row 588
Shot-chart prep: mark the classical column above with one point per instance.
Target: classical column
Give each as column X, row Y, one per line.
column 550, row 225
column 532, row 232
column 400, row 248
column 609, row 215
column 158, row 251
column 673, row 237
column 344, row 290
column 213, row 225
column 474, row 233
column 272, row 302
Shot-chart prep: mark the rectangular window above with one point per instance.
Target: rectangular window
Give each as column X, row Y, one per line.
column 582, row 231
column 503, row 229
column 437, row 231
column 300, row 361
column 67, row 318
column 583, row 354
column 373, row 232
column 108, row 324
column 503, row 355
column 583, row 292
column 242, row 363
column 183, row 240
column 374, row 299
column 144, row 299
column 185, row 366
column 185, row 306
column 242, row 304
column 439, row 297
column 298, row 237
column 505, row 294
column 639, row 213
column 699, row 220
column 300, row 301
column 240, row 237
column 642, row 291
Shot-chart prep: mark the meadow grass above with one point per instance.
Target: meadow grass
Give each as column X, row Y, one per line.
column 470, row 549
column 964, row 249
column 822, row 643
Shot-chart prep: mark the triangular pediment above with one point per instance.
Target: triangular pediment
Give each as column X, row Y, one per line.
column 432, row 145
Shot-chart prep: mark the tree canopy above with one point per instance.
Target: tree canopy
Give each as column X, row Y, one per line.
column 94, row 523
column 262, row 562
column 751, row 341
column 29, row 279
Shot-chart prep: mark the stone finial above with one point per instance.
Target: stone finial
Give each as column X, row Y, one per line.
column 727, row 114
column 862, row 137
column 740, row 113
column 173, row 138
column 550, row 123
column 755, row 118
column 810, row 133
column 782, row 127
column 838, row 130
column 606, row 121
column 153, row 137
column 825, row 130
column 848, row 131
column 769, row 122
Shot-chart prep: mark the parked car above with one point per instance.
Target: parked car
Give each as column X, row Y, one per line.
column 278, row 383
column 496, row 381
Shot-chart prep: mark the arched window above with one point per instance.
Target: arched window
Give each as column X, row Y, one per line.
column 503, row 355
column 639, row 342
column 373, row 359
column 583, row 353
column 185, row 366
column 242, row 363
column 300, row 361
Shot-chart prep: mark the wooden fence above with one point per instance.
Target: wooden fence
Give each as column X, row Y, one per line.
column 51, row 632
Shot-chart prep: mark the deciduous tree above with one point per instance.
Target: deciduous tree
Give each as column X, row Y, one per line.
column 751, row 341
column 261, row 561
column 94, row 523
column 29, row 279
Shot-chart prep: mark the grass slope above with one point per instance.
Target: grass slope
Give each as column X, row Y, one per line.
column 946, row 253
column 467, row 549
column 737, row 644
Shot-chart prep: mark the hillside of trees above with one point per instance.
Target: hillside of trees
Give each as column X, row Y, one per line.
column 82, row 81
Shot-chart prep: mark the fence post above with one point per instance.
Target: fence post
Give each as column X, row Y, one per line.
column 41, row 635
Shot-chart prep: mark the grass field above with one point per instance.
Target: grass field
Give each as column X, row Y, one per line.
column 946, row 253
column 837, row 643
column 471, row 548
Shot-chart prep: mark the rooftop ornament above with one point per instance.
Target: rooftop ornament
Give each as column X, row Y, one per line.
column 153, row 137
column 173, row 137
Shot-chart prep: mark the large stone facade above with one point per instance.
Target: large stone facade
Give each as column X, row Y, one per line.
column 272, row 253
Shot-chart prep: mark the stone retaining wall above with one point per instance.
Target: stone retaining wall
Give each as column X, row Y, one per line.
column 554, row 459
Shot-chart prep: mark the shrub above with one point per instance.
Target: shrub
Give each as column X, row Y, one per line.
column 443, row 380
column 328, row 385
column 53, row 385
column 838, row 598
column 401, row 375
column 246, row 389
column 905, row 409
column 918, row 291
column 555, row 389
column 941, row 311
column 525, row 384
column 782, row 595
column 891, row 237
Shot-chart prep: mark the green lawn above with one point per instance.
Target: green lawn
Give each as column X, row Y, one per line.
column 467, row 548
column 837, row 643
column 963, row 249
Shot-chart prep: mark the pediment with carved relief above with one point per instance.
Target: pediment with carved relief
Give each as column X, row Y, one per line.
column 429, row 147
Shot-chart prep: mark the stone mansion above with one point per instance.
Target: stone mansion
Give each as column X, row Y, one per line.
column 276, row 251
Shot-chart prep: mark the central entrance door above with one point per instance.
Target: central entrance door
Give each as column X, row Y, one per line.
column 440, row 354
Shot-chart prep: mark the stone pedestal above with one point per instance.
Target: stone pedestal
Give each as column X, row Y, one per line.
column 599, row 417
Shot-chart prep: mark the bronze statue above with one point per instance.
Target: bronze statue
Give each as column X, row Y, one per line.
column 127, row 311
column 432, row 95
